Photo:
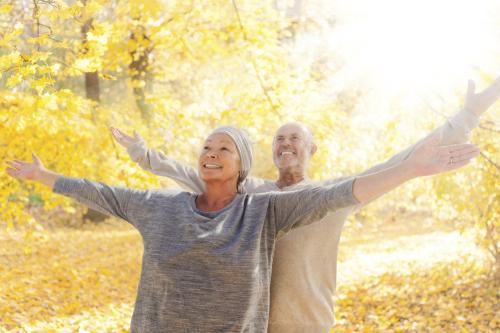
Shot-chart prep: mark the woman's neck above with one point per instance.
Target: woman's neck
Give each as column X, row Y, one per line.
column 216, row 196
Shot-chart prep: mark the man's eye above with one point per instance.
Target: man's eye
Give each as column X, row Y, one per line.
column 224, row 148
column 205, row 148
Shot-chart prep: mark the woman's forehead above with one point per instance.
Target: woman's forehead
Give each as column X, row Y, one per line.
column 219, row 138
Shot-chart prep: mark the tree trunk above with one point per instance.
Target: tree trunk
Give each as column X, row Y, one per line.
column 93, row 92
column 139, row 71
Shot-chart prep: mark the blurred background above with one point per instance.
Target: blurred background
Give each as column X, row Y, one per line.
column 368, row 77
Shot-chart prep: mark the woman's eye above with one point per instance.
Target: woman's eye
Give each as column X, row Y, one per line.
column 205, row 148
column 224, row 148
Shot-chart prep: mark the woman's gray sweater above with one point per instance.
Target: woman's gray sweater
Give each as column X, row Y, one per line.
column 206, row 272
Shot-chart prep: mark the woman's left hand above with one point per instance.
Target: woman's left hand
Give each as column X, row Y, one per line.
column 429, row 158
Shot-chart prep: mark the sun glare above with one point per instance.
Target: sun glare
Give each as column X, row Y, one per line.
column 402, row 47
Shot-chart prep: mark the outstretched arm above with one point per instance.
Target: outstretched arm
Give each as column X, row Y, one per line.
column 157, row 162
column 306, row 206
column 457, row 129
column 120, row 202
column 428, row 158
column 162, row 165
column 34, row 171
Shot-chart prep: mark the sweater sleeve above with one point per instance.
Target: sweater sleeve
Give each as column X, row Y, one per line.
column 127, row 204
column 302, row 207
column 161, row 165
column 455, row 130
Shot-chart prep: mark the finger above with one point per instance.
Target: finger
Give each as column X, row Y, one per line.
column 458, row 147
column 457, row 165
column 12, row 172
column 118, row 136
column 471, row 88
column 13, row 164
column 466, row 152
column 21, row 162
column 137, row 136
column 465, row 156
column 122, row 135
column 114, row 133
column 36, row 159
column 462, row 158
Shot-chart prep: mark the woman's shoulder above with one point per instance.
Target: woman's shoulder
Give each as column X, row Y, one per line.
column 165, row 194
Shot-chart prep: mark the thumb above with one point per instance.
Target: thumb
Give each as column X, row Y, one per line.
column 471, row 88
column 137, row 136
column 36, row 160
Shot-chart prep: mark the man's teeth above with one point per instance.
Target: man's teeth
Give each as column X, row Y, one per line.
column 212, row 166
column 286, row 153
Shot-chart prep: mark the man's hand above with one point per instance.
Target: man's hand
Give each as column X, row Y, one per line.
column 480, row 102
column 124, row 139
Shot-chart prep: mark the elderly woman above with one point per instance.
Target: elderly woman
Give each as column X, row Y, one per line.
column 207, row 257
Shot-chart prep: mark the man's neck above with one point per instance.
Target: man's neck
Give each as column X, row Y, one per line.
column 288, row 177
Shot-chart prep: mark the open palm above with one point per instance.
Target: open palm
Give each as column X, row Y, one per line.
column 25, row 170
column 429, row 158
column 124, row 139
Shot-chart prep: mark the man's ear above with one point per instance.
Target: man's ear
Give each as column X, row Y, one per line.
column 313, row 149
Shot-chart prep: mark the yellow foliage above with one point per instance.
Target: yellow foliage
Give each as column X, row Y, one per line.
column 200, row 70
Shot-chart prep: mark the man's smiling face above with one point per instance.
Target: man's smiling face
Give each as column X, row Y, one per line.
column 292, row 146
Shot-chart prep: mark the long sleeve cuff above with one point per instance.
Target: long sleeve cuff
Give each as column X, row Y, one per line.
column 347, row 187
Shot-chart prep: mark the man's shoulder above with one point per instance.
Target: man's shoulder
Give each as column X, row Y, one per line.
column 259, row 185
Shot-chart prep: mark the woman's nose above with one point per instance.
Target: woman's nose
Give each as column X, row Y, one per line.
column 211, row 154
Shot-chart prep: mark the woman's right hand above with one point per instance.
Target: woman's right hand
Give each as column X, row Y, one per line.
column 24, row 170
column 124, row 139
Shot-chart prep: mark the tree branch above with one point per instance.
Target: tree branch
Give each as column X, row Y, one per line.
column 489, row 160
column 254, row 64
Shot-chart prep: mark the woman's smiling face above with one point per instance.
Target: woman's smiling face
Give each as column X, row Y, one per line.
column 219, row 159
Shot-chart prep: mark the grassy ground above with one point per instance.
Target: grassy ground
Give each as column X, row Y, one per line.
column 405, row 277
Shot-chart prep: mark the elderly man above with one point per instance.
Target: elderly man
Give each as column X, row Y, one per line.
column 305, row 263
